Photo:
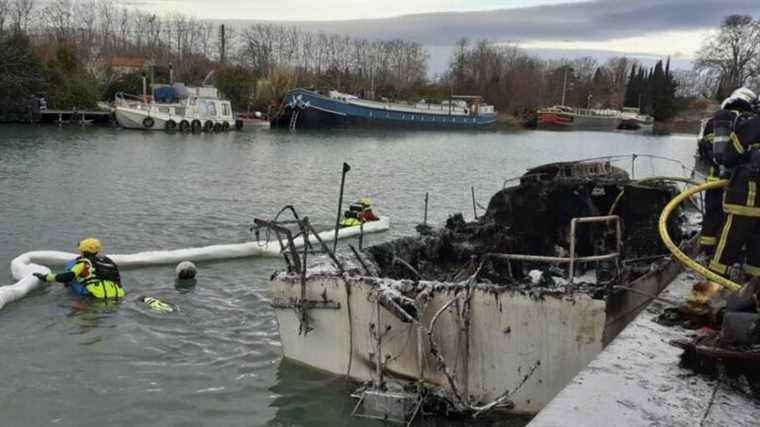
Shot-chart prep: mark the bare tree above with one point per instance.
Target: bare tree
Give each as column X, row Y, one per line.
column 733, row 54
column 5, row 11
column 694, row 83
column 106, row 22
column 86, row 16
column 58, row 17
column 21, row 13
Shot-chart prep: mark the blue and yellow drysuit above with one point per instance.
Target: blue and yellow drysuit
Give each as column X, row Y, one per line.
column 358, row 213
column 91, row 275
column 352, row 217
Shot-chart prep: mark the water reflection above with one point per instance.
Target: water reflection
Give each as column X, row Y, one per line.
column 307, row 397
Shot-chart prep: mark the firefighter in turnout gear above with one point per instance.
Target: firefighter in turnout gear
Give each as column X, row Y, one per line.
column 718, row 129
column 712, row 219
column 90, row 274
column 740, row 153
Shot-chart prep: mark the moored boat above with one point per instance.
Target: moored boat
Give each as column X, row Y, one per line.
column 176, row 107
column 569, row 118
column 633, row 119
column 303, row 108
column 564, row 117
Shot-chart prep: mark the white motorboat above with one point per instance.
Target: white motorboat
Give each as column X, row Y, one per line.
column 176, row 107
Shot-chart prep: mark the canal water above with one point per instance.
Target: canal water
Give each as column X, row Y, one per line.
column 217, row 361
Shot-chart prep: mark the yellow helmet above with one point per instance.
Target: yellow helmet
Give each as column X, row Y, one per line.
column 365, row 201
column 90, row 246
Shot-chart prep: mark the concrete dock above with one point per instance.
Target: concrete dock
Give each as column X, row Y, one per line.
column 637, row 381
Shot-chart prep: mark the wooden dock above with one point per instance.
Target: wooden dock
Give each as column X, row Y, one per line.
column 74, row 116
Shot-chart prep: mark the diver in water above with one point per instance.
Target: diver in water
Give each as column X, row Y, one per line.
column 156, row 304
column 90, row 275
column 358, row 213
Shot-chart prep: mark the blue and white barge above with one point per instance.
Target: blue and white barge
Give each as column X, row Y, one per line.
column 303, row 108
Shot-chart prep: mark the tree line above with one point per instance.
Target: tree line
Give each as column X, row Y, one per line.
column 77, row 38
column 62, row 48
column 515, row 81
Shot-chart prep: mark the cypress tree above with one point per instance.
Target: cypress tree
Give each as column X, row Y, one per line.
column 631, row 97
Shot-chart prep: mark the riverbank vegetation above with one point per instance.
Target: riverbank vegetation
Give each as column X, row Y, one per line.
column 76, row 53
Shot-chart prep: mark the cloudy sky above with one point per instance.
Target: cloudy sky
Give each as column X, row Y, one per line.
column 652, row 28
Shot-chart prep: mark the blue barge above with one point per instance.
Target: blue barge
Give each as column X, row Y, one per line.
column 305, row 109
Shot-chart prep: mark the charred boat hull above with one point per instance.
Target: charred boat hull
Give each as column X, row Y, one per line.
column 510, row 334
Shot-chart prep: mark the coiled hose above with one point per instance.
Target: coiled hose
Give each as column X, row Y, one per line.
column 678, row 253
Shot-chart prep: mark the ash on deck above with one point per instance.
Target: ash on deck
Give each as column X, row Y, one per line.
column 636, row 381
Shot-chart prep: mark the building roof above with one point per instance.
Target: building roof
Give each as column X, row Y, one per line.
column 124, row 61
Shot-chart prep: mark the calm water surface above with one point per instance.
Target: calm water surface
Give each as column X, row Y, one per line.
column 217, row 362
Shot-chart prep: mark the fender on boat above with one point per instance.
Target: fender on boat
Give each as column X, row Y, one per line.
column 25, row 265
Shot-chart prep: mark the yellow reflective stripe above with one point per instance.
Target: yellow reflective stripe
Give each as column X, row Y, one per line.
column 737, row 143
column 715, row 263
column 751, row 194
column 712, row 178
column 752, row 270
column 741, row 210
column 78, row 267
column 105, row 289
column 708, row 241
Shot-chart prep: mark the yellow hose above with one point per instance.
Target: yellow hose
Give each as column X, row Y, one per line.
column 682, row 257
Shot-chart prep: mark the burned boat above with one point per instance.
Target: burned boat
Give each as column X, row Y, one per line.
column 497, row 313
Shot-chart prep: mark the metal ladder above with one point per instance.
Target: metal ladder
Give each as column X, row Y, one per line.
column 293, row 119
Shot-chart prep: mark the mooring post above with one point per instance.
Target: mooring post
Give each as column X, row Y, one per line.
column 346, row 168
column 474, row 211
column 361, row 234
column 379, row 363
column 633, row 166
column 424, row 221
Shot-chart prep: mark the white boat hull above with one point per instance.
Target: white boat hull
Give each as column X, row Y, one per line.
column 134, row 118
column 510, row 333
column 129, row 118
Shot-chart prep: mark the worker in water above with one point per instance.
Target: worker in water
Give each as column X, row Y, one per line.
column 366, row 214
column 734, row 109
column 90, row 274
column 740, row 153
column 358, row 213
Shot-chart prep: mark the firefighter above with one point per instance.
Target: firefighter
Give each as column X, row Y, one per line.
column 735, row 108
column 736, row 147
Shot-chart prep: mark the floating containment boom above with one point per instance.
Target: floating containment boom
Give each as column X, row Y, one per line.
column 25, row 265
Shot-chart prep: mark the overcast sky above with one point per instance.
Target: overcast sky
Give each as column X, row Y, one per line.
column 331, row 10
column 635, row 27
